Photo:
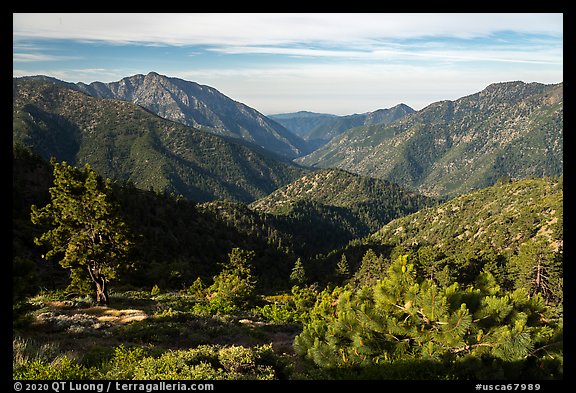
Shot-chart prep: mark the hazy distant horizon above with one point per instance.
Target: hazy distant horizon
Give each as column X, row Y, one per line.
column 280, row 63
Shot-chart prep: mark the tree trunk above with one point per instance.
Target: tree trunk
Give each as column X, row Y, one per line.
column 99, row 280
column 102, row 291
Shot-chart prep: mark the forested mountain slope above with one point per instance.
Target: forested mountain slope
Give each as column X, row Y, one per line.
column 175, row 240
column 196, row 105
column 330, row 207
column 126, row 142
column 514, row 229
column 325, row 132
column 511, row 129
column 499, row 218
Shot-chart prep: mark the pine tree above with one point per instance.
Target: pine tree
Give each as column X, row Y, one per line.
column 371, row 269
column 298, row 275
column 432, row 264
column 405, row 318
column 234, row 286
column 84, row 229
column 538, row 269
column 342, row 267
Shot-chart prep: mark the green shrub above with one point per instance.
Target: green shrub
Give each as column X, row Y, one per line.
column 123, row 363
column 236, row 359
column 304, row 300
column 292, row 308
column 155, row 290
column 208, row 362
column 277, row 313
column 234, row 287
column 197, row 289
column 63, row 368
column 205, row 362
column 209, row 308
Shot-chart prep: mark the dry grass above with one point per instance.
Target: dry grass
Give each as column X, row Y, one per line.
column 81, row 327
column 101, row 317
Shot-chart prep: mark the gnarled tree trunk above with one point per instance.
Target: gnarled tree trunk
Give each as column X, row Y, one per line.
column 101, row 286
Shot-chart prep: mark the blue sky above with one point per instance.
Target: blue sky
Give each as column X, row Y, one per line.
column 276, row 63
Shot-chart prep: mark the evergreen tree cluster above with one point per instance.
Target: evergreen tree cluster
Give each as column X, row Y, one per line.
column 441, row 331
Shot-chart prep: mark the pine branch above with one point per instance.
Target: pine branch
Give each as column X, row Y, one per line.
column 400, row 307
column 470, row 347
column 560, row 343
column 480, row 319
column 424, row 317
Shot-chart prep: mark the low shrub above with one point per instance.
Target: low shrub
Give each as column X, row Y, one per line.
column 207, row 362
column 289, row 308
column 123, row 363
column 33, row 361
column 63, row 368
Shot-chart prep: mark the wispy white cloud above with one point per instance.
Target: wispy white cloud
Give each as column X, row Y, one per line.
column 543, row 55
column 77, row 74
column 354, row 36
column 274, row 29
column 36, row 57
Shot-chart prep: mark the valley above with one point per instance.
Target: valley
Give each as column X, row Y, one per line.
column 394, row 244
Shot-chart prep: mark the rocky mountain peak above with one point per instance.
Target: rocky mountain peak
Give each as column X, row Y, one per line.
column 201, row 106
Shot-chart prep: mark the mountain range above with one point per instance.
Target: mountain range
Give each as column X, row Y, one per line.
column 302, row 122
column 162, row 133
column 511, row 129
column 418, row 228
column 196, row 105
column 318, row 128
column 127, row 142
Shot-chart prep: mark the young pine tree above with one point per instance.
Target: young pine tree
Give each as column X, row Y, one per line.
column 298, row 275
column 343, row 268
column 538, row 268
column 371, row 269
column 234, row 286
